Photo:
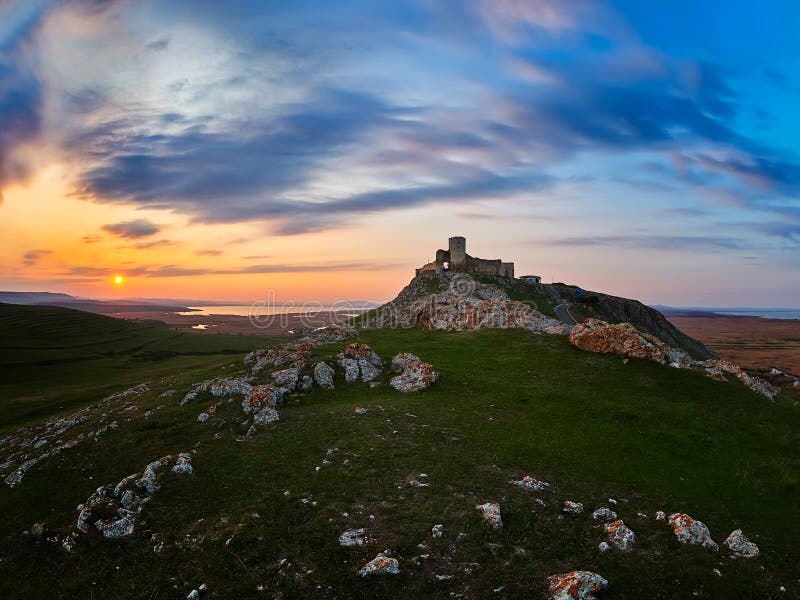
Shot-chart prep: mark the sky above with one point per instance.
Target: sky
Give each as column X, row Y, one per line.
column 321, row 150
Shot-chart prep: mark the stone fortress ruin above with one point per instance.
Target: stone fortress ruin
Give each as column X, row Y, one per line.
column 456, row 259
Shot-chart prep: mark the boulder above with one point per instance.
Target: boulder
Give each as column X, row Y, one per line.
column 740, row 546
column 620, row 535
column 530, row 484
column 323, row 375
column 490, row 512
column 265, row 416
column 400, row 361
column 380, row 565
column 691, row 531
column 416, row 376
column 622, row 339
column 230, row 387
column 575, row 585
column 353, row 537
column 286, row 378
column 437, row 531
column 572, row 508
column 363, row 352
column 351, row 370
column 606, row 514
column 262, row 396
column 306, row 383
column 183, row 466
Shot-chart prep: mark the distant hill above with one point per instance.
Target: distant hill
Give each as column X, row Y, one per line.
column 35, row 297
column 103, row 307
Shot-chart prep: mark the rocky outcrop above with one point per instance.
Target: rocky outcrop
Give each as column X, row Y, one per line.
column 417, row 375
column 740, row 546
column 622, row 339
column 604, row 514
column 575, row 585
column 690, row 531
column 460, row 304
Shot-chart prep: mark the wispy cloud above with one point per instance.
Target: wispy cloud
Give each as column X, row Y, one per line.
column 138, row 228
column 32, row 257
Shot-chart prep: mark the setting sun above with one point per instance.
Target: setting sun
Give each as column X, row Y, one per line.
column 118, row 280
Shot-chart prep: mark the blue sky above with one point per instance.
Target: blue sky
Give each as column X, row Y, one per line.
column 641, row 148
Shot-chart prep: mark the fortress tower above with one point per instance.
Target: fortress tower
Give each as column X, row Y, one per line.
column 458, row 252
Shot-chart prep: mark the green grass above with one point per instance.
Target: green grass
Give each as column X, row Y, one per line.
column 57, row 359
column 541, row 302
column 508, row 403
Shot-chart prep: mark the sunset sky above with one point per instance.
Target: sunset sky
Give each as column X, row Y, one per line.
column 206, row 149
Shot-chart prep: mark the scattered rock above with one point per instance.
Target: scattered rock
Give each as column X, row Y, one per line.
column 360, row 411
column 605, row 514
column 416, row 376
column 262, row 396
column 661, row 515
column 38, row 530
column 620, row 536
column 265, row 416
column 286, row 379
column 740, row 546
column 203, row 417
column 576, row 585
column 530, row 484
column 691, row 531
column 604, row 547
column 353, row 537
column 437, row 531
column 306, row 383
column 572, row 508
column 380, row 565
column 323, row 375
column 183, row 466
column 400, row 361
column 230, row 387
column 490, row 511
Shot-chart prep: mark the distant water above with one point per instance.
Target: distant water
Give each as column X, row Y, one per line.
column 767, row 313
column 244, row 310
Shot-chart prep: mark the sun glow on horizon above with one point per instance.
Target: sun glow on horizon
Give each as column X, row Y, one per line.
column 118, row 280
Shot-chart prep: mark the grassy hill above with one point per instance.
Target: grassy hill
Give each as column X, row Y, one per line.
column 56, row 359
column 268, row 511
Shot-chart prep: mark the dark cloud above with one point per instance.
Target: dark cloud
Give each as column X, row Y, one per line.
column 179, row 271
column 158, row 45
column 31, row 257
column 656, row 242
column 133, row 229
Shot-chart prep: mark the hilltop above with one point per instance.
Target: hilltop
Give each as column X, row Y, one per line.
column 245, row 471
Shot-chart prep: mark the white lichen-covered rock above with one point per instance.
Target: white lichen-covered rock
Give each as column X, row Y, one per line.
column 148, row 480
column 183, row 465
column 572, row 508
column 195, row 391
column 620, row 535
column 437, row 531
column 690, row 531
column 262, row 396
column 265, row 416
column 306, row 383
column 114, row 529
column 203, row 417
column 230, row 387
column 603, row 547
column 353, row 537
column 530, row 484
column 718, row 369
column 604, row 513
column 661, row 515
column 575, row 585
column 416, row 376
column 323, row 375
column 351, row 370
column 380, row 565
column 369, row 372
column 490, row 511
column 740, row 546
column 286, row 378
column 400, row 361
